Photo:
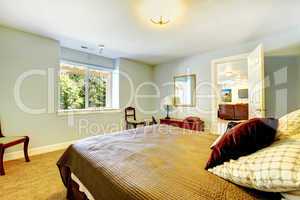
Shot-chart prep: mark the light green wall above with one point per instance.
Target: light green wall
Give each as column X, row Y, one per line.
column 283, row 85
column 142, row 80
column 20, row 52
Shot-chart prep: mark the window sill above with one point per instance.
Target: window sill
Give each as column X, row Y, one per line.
column 87, row 111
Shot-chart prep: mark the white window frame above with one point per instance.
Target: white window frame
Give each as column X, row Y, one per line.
column 87, row 109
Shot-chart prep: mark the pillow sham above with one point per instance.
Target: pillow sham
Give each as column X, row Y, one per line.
column 229, row 127
column 216, row 141
column 289, row 125
column 243, row 139
column 273, row 169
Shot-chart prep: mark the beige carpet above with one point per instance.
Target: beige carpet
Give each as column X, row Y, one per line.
column 37, row 180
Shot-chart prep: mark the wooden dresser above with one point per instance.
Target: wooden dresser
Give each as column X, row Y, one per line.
column 192, row 123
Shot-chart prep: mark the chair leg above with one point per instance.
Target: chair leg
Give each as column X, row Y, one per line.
column 2, row 173
column 26, row 149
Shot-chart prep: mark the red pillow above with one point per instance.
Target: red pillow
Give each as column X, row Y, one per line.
column 243, row 139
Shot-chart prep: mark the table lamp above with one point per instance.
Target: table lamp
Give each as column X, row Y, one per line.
column 168, row 103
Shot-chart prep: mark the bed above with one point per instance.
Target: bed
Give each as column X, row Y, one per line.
column 155, row 162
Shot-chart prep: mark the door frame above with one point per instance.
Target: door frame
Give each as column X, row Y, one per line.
column 262, row 105
column 216, row 95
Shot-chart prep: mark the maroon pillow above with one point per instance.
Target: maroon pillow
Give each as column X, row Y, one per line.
column 243, row 139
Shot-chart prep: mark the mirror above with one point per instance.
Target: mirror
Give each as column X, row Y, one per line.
column 185, row 90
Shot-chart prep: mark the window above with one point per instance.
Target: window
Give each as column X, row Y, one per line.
column 84, row 87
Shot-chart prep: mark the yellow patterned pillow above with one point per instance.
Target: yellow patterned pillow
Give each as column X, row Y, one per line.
column 289, row 125
column 273, row 169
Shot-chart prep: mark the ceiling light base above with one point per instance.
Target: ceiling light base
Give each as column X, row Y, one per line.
column 161, row 21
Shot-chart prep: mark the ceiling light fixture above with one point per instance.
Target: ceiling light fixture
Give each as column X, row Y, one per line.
column 161, row 12
column 229, row 73
column 160, row 21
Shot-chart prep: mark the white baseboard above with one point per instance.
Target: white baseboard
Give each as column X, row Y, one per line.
column 36, row 151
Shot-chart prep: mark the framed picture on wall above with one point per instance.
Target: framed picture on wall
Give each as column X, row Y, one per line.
column 226, row 95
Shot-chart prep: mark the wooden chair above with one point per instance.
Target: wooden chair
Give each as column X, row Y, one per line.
column 153, row 121
column 130, row 118
column 6, row 142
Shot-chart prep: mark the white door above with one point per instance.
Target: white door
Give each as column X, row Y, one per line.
column 256, row 83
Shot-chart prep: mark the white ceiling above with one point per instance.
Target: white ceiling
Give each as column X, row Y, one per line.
column 126, row 32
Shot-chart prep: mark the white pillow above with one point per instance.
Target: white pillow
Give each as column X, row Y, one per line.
column 273, row 169
column 289, row 125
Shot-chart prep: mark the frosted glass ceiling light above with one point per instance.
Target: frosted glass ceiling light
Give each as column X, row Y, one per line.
column 161, row 12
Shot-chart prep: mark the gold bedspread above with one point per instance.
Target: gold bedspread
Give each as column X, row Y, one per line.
column 157, row 162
